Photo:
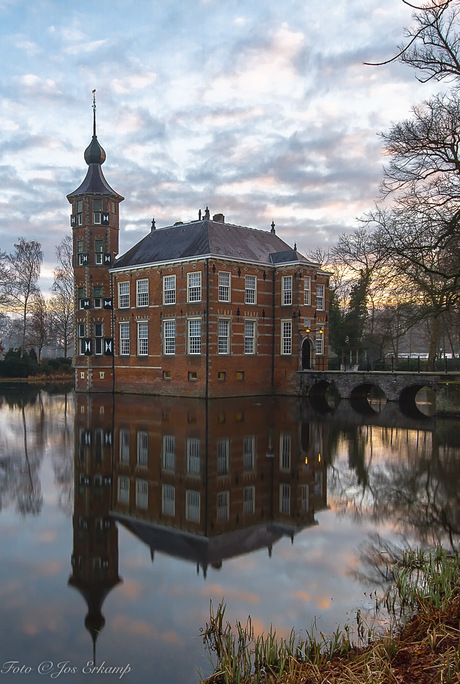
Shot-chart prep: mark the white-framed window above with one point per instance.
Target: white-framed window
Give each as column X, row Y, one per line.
column 124, row 339
column 194, row 335
column 142, row 338
column 223, row 506
column 169, row 289
column 305, row 498
column 194, row 286
column 169, row 336
column 123, row 295
column 286, row 337
column 143, row 448
column 192, row 505
column 97, row 211
column 224, row 286
column 193, row 456
column 249, row 336
column 98, row 338
column 142, row 494
column 249, row 450
column 223, row 336
column 98, row 292
column 168, row 500
column 285, row 451
column 319, row 342
column 285, row 498
column 249, row 499
column 142, row 292
column 124, row 445
column 320, row 297
column 307, row 290
column 80, row 213
column 98, row 252
column 286, row 290
column 81, row 338
column 250, row 289
column 169, row 452
column 123, row 489
column 223, row 455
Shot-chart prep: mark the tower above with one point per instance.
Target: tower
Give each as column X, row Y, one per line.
column 95, row 232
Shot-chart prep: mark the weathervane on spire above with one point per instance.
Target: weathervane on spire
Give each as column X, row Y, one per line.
column 94, row 112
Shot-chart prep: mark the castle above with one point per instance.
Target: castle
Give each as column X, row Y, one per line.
column 203, row 309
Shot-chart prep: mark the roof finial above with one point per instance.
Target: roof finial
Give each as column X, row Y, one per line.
column 153, row 226
column 94, row 112
column 273, row 227
column 207, row 213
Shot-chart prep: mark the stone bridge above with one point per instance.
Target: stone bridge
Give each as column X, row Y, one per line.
column 401, row 386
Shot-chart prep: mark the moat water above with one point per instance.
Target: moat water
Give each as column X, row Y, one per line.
column 122, row 519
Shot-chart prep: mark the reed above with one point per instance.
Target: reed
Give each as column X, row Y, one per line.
column 423, row 602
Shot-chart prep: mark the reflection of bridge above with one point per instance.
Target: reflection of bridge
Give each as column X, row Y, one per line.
column 401, row 386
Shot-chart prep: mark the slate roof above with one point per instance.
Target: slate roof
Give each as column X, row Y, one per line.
column 94, row 184
column 203, row 550
column 209, row 238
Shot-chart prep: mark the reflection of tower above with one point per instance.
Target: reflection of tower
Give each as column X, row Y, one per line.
column 95, row 536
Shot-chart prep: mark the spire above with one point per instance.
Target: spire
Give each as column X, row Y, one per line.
column 94, row 153
column 94, row 113
column 94, row 183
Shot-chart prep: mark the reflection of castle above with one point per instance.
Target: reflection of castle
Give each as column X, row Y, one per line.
column 210, row 481
column 199, row 481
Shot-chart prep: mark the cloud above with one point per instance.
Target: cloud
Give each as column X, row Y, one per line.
column 263, row 112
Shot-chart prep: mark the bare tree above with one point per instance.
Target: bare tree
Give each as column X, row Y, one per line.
column 419, row 231
column 39, row 332
column 24, row 271
column 62, row 302
column 432, row 43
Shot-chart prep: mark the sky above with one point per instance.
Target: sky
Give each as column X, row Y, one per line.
column 264, row 111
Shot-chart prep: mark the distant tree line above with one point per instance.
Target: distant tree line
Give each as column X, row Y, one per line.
column 29, row 322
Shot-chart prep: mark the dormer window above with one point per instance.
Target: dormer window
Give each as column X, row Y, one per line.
column 97, row 211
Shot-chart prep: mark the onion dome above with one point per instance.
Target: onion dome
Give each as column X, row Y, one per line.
column 94, row 153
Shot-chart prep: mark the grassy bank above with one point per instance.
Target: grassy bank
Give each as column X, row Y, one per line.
column 420, row 646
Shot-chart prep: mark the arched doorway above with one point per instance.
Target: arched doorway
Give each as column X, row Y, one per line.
column 306, row 354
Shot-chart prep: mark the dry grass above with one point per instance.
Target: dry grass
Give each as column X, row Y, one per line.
column 424, row 649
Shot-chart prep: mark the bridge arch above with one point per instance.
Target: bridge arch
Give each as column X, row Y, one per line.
column 367, row 398
column 323, row 396
column 417, row 400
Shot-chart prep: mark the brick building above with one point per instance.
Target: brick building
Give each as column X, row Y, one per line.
column 204, row 308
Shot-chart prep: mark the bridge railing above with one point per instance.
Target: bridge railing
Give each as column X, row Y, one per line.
column 409, row 364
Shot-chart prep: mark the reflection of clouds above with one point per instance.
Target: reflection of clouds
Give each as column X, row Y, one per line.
column 141, row 628
column 47, row 536
column 131, row 590
column 49, row 568
column 233, row 594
